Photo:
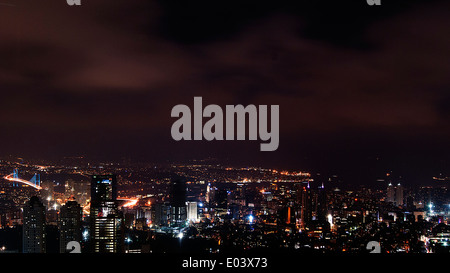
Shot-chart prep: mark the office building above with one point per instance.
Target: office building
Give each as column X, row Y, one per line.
column 178, row 215
column 107, row 231
column 34, row 239
column 192, row 212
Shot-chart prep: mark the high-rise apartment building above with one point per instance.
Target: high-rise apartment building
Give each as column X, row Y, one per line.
column 34, row 239
column 69, row 224
column 395, row 194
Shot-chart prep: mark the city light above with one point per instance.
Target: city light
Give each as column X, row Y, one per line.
column 309, row 207
column 131, row 202
column 330, row 219
column 85, row 235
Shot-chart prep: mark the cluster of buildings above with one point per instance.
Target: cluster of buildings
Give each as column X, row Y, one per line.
column 103, row 228
column 105, row 220
column 185, row 212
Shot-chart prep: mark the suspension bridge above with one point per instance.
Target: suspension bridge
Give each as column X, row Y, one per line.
column 34, row 182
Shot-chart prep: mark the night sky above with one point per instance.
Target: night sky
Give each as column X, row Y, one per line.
column 362, row 90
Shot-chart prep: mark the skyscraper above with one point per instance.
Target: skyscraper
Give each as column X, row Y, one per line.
column 399, row 195
column 34, row 240
column 306, row 209
column 395, row 194
column 390, row 198
column 69, row 224
column 178, row 213
column 322, row 207
column 106, row 220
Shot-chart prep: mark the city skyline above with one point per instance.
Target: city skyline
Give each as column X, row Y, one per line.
column 376, row 176
column 212, row 209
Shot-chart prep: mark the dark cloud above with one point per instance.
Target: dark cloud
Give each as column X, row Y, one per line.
column 352, row 81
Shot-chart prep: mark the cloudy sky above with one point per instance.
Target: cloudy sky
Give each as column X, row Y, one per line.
column 362, row 90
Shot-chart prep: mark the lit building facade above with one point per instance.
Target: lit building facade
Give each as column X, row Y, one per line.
column 192, row 212
column 107, row 231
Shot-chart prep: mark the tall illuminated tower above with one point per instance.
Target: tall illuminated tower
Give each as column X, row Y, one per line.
column 107, row 233
column 34, row 226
